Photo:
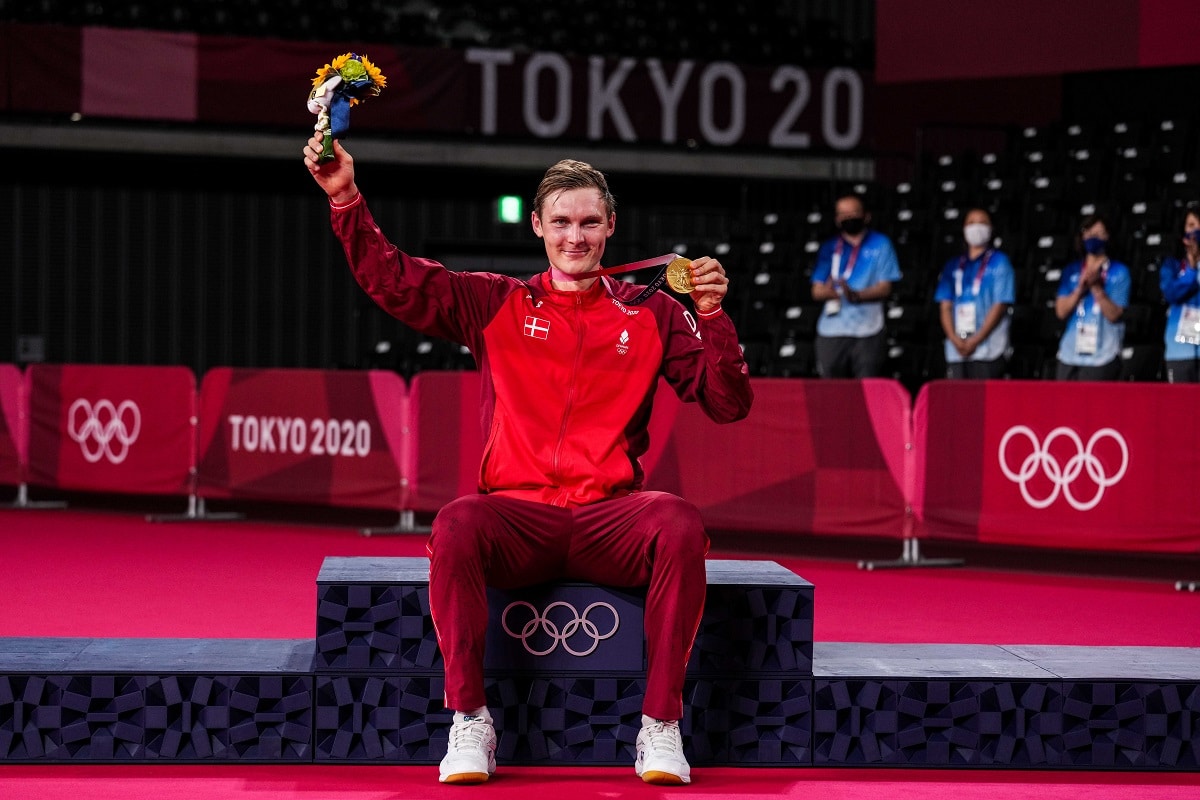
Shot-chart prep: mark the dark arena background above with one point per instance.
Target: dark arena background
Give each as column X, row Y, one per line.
column 215, row 587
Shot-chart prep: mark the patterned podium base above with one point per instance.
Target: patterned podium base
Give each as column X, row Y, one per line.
column 368, row 689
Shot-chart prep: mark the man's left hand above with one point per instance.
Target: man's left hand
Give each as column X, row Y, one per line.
column 711, row 284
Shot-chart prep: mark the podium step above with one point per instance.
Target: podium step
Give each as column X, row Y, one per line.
column 373, row 613
column 759, row 692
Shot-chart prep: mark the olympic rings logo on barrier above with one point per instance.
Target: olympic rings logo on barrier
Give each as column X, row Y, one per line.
column 576, row 624
column 1063, row 476
column 104, row 430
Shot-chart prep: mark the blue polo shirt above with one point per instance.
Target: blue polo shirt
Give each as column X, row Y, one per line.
column 1180, row 284
column 1111, row 335
column 982, row 282
column 875, row 261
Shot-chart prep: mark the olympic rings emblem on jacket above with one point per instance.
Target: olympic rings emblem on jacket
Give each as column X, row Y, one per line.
column 104, row 430
column 1063, row 476
column 575, row 623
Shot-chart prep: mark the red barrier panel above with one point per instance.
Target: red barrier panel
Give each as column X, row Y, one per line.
column 112, row 428
column 813, row 456
column 12, row 451
column 822, row 457
column 447, row 440
column 309, row 436
column 1095, row 466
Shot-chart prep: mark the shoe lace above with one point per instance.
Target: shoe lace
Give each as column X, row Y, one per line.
column 663, row 737
column 471, row 733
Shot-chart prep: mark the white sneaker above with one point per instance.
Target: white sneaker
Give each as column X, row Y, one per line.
column 471, row 751
column 660, row 753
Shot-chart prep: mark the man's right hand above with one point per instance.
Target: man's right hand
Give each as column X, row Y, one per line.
column 336, row 177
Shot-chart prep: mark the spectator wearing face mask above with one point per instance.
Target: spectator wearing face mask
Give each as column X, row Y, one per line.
column 853, row 275
column 1092, row 295
column 1179, row 279
column 974, row 293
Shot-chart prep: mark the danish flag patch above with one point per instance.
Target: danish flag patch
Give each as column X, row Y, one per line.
column 536, row 327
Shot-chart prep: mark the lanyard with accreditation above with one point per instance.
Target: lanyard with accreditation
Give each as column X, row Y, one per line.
column 832, row 307
column 977, row 282
column 965, row 319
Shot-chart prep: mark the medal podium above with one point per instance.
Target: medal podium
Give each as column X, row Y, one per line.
column 566, row 662
column 565, row 673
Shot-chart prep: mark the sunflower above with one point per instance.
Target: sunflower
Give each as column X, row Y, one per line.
column 329, row 70
column 358, row 74
column 378, row 81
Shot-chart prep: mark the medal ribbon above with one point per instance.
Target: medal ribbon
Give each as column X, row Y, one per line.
column 663, row 260
column 651, row 288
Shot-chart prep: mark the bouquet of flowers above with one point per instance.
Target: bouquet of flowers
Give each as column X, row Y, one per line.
column 341, row 84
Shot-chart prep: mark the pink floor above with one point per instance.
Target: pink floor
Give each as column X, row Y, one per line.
column 105, row 573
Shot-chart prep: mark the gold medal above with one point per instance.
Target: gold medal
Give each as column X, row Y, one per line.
column 679, row 275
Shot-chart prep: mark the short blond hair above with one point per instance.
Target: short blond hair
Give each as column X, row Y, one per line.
column 572, row 174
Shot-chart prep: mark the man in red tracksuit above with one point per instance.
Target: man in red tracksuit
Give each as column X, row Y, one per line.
column 570, row 362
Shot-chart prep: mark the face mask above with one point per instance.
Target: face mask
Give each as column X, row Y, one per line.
column 1094, row 245
column 1192, row 236
column 852, row 226
column 977, row 234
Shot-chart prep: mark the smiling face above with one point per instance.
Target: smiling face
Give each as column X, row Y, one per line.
column 574, row 224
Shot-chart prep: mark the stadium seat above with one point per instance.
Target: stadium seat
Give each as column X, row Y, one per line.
column 760, row 317
column 1139, row 323
column 1182, row 187
column 1142, row 362
column 910, row 364
column 757, row 353
column 795, row 358
column 1026, row 362
column 1172, row 144
column 1145, row 276
column 910, row 323
column 1050, row 249
column 800, row 320
column 1050, row 327
column 1024, row 324
column 1085, row 176
column 1144, row 215
column 1081, row 137
column 1127, row 133
column 1036, row 141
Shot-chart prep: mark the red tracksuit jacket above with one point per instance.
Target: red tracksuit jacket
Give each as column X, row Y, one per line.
column 568, row 378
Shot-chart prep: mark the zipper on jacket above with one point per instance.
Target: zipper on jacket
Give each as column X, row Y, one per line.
column 562, row 430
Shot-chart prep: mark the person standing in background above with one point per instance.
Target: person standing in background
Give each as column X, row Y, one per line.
column 974, row 293
column 854, row 274
column 1179, row 279
column 1092, row 295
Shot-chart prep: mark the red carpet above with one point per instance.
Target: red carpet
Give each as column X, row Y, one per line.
column 99, row 573
column 68, row 782
column 108, row 574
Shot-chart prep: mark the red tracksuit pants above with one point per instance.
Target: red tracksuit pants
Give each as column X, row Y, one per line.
column 651, row 539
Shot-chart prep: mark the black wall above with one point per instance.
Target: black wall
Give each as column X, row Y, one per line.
column 206, row 262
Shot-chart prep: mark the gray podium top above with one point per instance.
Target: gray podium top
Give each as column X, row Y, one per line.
column 402, row 569
column 374, row 569
column 975, row 661
column 152, row 656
